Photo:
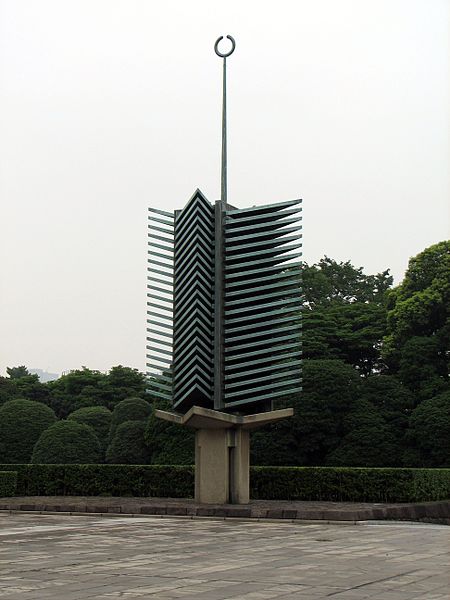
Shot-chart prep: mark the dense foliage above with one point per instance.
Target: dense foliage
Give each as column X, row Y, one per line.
column 127, row 446
column 67, row 442
column 97, row 417
column 376, row 387
column 267, row 483
column 8, row 483
column 21, row 424
column 130, row 409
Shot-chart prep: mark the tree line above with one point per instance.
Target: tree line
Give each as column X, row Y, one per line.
column 376, row 388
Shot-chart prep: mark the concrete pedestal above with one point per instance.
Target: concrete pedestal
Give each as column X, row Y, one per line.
column 222, row 451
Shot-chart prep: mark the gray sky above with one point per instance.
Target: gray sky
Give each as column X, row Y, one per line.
column 109, row 106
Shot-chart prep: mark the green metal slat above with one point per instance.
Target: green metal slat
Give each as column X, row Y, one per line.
column 264, row 350
column 196, row 298
column 276, row 206
column 193, row 233
column 181, row 372
column 206, row 355
column 155, row 228
column 162, row 377
column 278, row 259
column 254, row 334
column 283, row 292
column 269, row 227
column 158, row 220
column 168, row 275
column 264, row 268
column 161, row 299
column 152, row 313
column 160, row 264
column 257, row 307
column 152, row 357
column 264, row 234
column 273, row 243
column 256, row 380
column 267, row 369
column 256, row 398
column 160, row 386
column 169, row 284
column 156, row 341
column 158, row 289
column 274, row 358
column 294, row 272
column 271, row 217
column 154, row 349
column 280, row 250
column 153, row 236
column 195, row 374
column 161, row 255
column 166, row 308
column 193, row 203
column 262, row 388
column 159, row 324
column 193, row 253
column 163, row 333
column 161, row 246
column 264, row 323
column 188, row 285
column 198, row 218
column 161, row 212
column 161, row 395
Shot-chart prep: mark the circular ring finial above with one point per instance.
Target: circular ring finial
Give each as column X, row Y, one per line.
column 233, row 46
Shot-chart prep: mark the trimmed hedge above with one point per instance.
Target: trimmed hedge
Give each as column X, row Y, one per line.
column 8, row 483
column 349, row 484
column 266, row 483
column 105, row 480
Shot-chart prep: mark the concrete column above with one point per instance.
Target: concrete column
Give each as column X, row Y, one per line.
column 212, row 466
column 222, row 450
column 240, row 466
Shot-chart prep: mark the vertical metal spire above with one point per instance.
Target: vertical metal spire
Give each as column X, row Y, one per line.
column 223, row 193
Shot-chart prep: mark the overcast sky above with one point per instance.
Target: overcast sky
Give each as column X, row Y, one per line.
column 109, row 106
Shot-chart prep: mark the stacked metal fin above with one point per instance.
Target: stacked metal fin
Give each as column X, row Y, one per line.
column 193, row 304
column 262, row 325
column 160, row 303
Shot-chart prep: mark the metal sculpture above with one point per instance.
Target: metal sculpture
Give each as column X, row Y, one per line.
column 224, row 299
column 224, row 308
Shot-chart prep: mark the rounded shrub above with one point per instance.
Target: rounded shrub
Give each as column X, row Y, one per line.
column 127, row 446
column 21, row 424
column 97, row 417
column 67, row 442
column 130, row 409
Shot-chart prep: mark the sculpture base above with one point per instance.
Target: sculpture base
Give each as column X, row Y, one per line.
column 222, row 451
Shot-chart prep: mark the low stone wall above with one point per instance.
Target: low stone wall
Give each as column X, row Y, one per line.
column 432, row 512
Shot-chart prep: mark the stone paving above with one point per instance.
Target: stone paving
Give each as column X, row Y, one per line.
column 78, row 557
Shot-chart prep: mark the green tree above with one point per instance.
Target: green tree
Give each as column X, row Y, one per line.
column 367, row 441
column 329, row 281
column 21, row 423
column 429, row 433
column 393, row 400
column 344, row 314
column 17, row 372
column 67, row 442
column 349, row 332
column 330, row 390
column 85, row 387
column 97, row 417
column 127, row 446
column 417, row 344
column 169, row 444
column 130, row 409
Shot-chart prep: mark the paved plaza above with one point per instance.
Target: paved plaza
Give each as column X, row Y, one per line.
column 76, row 557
